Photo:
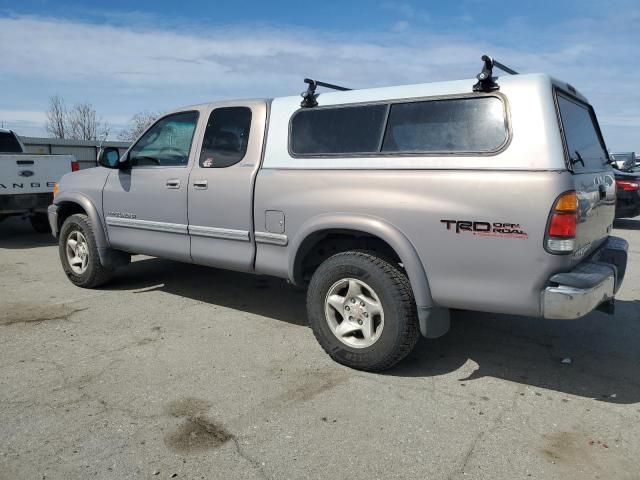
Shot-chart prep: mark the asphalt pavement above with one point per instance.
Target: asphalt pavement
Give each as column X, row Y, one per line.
column 181, row 371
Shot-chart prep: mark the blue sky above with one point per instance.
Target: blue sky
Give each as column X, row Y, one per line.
column 125, row 56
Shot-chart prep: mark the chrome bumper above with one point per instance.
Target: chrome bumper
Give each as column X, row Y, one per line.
column 52, row 213
column 576, row 293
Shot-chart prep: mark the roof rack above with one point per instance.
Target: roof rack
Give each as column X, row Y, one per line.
column 309, row 97
column 486, row 82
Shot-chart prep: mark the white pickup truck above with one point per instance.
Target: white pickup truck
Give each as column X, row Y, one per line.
column 27, row 181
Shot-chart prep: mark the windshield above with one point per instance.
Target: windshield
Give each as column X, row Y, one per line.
column 9, row 143
column 585, row 147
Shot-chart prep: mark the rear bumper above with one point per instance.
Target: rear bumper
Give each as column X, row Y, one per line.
column 52, row 213
column 14, row 204
column 595, row 281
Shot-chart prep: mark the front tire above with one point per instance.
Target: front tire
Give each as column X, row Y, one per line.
column 79, row 253
column 362, row 311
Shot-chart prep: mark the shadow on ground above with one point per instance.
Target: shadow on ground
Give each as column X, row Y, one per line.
column 17, row 233
column 604, row 353
column 259, row 295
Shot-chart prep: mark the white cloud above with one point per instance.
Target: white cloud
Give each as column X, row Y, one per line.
column 146, row 65
column 406, row 10
column 25, row 116
column 400, row 26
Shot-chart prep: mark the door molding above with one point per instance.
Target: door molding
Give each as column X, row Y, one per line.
column 223, row 233
column 147, row 225
column 271, row 238
column 210, row 232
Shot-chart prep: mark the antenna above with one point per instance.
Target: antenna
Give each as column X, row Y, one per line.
column 309, row 98
column 486, row 82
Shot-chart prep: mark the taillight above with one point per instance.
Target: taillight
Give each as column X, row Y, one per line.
column 628, row 185
column 75, row 166
column 561, row 230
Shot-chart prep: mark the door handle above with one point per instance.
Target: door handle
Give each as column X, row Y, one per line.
column 173, row 183
column 200, row 184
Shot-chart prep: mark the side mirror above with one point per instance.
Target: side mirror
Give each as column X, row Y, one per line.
column 109, row 157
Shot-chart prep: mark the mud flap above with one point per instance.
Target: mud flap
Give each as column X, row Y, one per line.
column 434, row 321
column 110, row 258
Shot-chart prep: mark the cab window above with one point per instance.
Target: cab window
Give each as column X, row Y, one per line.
column 226, row 137
column 9, row 143
column 167, row 143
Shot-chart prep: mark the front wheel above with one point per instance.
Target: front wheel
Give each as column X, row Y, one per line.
column 362, row 311
column 79, row 253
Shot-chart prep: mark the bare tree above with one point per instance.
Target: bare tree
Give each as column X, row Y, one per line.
column 56, row 125
column 84, row 123
column 104, row 129
column 138, row 124
column 81, row 122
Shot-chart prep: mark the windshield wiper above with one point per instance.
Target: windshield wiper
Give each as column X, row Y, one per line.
column 578, row 159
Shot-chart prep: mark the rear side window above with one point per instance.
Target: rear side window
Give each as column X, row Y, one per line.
column 9, row 143
column 449, row 126
column 584, row 145
column 338, row 131
column 226, row 137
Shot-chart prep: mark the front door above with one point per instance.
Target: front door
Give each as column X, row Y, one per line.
column 221, row 187
column 145, row 206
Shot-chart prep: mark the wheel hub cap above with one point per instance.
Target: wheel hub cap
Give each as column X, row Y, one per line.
column 354, row 313
column 77, row 252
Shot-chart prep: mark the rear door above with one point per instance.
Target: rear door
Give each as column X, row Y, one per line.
column 593, row 176
column 221, row 186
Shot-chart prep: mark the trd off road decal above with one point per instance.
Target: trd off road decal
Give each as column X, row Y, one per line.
column 486, row 229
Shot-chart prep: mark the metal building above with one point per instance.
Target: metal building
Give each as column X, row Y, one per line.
column 85, row 151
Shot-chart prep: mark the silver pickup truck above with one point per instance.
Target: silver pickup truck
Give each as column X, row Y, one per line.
column 392, row 205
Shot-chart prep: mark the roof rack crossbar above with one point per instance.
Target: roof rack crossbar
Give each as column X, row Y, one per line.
column 486, row 82
column 309, row 98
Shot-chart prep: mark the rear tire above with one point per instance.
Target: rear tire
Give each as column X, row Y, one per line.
column 79, row 253
column 362, row 311
column 40, row 223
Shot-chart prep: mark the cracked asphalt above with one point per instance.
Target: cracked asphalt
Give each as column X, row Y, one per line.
column 179, row 371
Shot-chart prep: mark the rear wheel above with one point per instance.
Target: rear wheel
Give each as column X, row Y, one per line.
column 362, row 311
column 40, row 223
column 79, row 253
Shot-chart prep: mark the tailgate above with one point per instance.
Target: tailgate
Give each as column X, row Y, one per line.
column 593, row 176
column 20, row 174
